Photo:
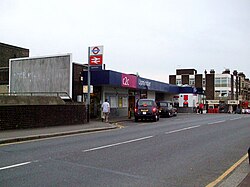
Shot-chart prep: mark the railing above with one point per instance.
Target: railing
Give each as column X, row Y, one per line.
column 62, row 95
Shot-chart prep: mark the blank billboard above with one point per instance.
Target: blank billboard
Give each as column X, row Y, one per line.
column 41, row 74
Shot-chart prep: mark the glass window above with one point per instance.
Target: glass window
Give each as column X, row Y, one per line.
column 178, row 82
column 145, row 103
column 163, row 104
column 113, row 102
column 191, row 82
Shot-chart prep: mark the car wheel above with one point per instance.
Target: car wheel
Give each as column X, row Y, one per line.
column 155, row 118
column 136, row 119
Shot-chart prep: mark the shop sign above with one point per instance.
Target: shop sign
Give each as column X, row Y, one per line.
column 213, row 102
column 233, row 102
column 144, row 83
column 129, row 81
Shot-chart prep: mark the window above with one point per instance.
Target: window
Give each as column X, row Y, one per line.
column 191, row 82
column 178, row 82
column 145, row 103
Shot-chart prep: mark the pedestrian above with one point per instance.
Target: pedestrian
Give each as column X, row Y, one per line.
column 201, row 106
column 106, row 110
column 197, row 108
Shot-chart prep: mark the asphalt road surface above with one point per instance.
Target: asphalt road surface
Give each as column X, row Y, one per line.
column 187, row 150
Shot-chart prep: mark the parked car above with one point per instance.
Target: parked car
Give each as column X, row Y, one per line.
column 166, row 109
column 146, row 109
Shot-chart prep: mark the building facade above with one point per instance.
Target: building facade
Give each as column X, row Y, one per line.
column 220, row 89
column 8, row 52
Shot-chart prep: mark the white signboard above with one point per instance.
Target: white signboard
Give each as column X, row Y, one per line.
column 213, row 102
column 233, row 102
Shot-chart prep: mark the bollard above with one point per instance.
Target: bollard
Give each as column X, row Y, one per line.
column 249, row 155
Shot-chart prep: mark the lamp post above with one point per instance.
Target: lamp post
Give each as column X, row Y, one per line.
column 88, row 96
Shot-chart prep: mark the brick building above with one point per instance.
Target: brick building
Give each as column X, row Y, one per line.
column 225, row 87
column 8, row 52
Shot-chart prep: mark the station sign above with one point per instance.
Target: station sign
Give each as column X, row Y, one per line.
column 96, row 50
column 95, row 60
column 96, row 57
column 129, row 81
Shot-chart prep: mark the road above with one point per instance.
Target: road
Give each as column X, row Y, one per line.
column 187, row 150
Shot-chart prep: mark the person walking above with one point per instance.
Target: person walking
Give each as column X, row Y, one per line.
column 201, row 106
column 106, row 110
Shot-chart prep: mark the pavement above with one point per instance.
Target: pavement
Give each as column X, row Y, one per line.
column 17, row 135
column 240, row 177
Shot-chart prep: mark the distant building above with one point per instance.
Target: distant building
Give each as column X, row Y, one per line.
column 226, row 87
column 8, row 52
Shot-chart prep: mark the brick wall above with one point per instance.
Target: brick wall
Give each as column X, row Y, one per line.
column 210, row 86
column 172, row 79
column 77, row 85
column 32, row 116
column 186, row 71
column 7, row 52
column 185, row 79
column 198, row 80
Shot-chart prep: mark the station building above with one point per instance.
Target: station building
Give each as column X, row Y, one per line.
column 123, row 90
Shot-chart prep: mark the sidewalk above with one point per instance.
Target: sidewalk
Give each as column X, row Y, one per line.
column 240, row 177
column 10, row 136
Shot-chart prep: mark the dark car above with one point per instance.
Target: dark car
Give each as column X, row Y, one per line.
column 166, row 109
column 146, row 109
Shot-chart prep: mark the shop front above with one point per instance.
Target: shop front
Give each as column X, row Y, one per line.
column 212, row 106
column 232, row 105
column 122, row 91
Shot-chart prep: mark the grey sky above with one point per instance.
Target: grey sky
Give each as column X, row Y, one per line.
column 151, row 37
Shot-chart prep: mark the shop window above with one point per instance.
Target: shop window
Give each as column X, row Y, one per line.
column 113, row 102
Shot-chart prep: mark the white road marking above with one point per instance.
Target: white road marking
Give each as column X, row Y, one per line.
column 120, row 143
column 178, row 130
column 235, row 118
column 216, row 122
column 16, row 165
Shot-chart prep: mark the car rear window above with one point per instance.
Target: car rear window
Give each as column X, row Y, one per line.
column 145, row 103
column 163, row 104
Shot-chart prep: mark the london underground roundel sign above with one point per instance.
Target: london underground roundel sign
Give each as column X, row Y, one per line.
column 96, row 50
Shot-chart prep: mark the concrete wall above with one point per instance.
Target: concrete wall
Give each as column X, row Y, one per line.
column 42, row 74
column 30, row 100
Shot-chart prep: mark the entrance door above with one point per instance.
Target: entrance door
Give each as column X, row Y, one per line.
column 131, row 106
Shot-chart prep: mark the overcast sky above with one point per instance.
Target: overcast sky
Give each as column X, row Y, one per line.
column 151, row 37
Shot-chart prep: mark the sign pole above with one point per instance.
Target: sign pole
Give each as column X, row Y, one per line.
column 88, row 98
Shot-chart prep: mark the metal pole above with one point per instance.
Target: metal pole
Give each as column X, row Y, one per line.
column 88, row 98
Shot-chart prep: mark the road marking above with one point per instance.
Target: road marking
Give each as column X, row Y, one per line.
column 178, row 130
column 120, row 143
column 224, row 175
column 216, row 122
column 16, row 165
column 235, row 118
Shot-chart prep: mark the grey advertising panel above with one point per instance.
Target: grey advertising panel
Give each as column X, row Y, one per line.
column 41, row 74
